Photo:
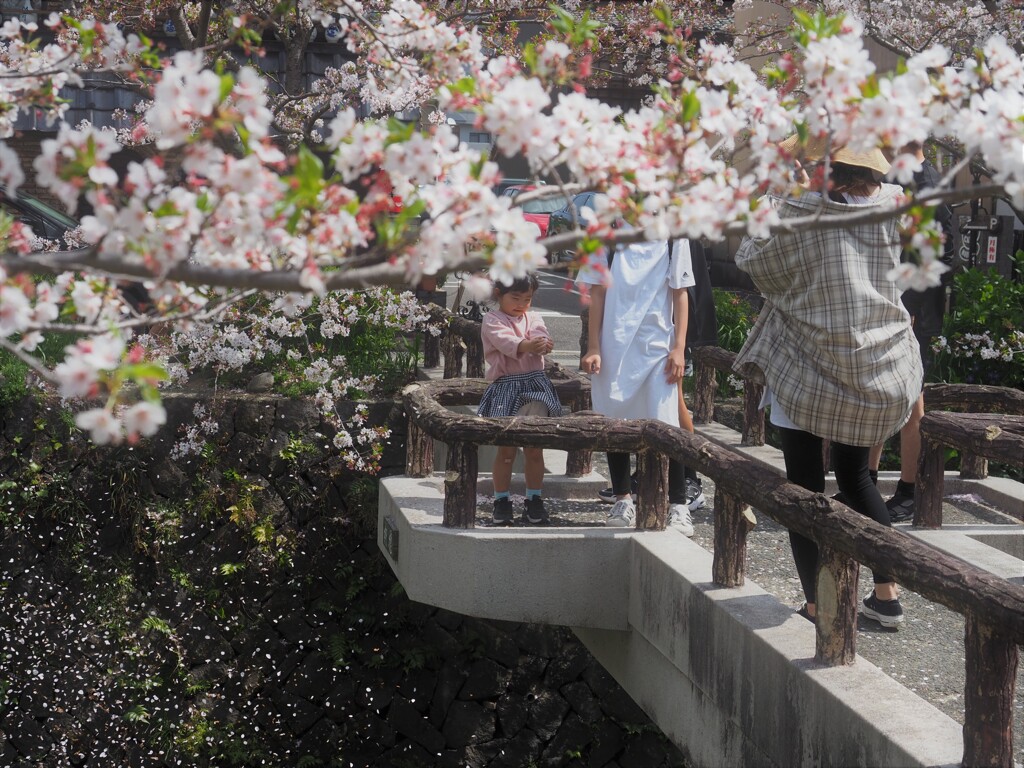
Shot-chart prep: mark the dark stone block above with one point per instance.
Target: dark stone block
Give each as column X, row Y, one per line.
column 298, row 714
column 487, row 680
column 418, row 687
column 435, row 635
column 567, row 666
column 254, row 415
column 608, row 741
column 449, row 681
column 312, row 679
column 406, row 752
column 538, row 640
column 242, row 450
column 339, row 703
column 528, row 671
column 615, row 702
column 468, row 723
column 407, row 721
column 324, row 740
column 449, row 620
column 583, row 702
column 30, row 739
column 512, row 714
column 570, row 742
column 545, row 713
column 371, row 732
column 643, row 750
column 373, row 692
column 167, row 479
column 523, row 749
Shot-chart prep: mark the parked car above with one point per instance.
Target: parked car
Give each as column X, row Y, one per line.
column 504, row 184
column 536, row 211
column 46, row 222
column 567, row 217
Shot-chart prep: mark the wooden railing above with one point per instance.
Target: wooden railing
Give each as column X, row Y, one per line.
column 993, row 608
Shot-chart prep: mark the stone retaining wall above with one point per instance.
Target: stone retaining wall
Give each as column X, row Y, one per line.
column 232, row 608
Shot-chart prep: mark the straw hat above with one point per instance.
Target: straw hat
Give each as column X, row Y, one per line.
column 815, row 148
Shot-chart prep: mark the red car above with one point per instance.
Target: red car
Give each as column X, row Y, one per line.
column 536, row 211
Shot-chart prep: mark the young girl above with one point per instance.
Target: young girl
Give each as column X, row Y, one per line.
column 515, row 341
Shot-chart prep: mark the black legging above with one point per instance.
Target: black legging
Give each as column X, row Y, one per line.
column 805, row 467
column 618, row 470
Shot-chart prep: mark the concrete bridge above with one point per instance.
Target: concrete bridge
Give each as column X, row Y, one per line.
column 727, row 673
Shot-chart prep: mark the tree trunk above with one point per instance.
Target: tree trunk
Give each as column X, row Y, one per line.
column 705, row 386
column 753, row 414
column 454, row 349
column 652, row 481
column 928, row 489
column 731, row 528
column 837, row 604
column 992, row 658
column 419, row 452
column 973, row 466
column 460, row 486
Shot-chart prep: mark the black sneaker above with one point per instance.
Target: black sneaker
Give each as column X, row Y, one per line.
column 607, row 495
column 901, row 507
column 503, row 513
column 534, row 513
column 694, row 495
column 888, row 613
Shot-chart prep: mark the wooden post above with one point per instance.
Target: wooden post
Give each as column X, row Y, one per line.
column 753, row 414
column 474, row 359
column 928, row 488
column 731, row 528
column 973, row 466
column 652, row 491
column 419, row 452
column 991, row 665
column 460, row 486
column 837, row 603
column 579, row 463
column 454, row 349
column 705, row 383
column 431, row 350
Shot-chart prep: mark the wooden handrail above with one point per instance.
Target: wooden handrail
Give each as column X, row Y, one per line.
column 993, row 607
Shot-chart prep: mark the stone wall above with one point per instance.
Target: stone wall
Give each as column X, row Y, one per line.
column 231, row 608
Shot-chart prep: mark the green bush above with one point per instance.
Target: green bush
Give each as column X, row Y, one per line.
column 983, row 335
column 735, row 317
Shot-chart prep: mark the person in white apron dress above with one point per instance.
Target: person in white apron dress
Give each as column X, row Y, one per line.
column 636, row 354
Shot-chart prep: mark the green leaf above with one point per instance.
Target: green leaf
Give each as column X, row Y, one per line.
column 141, row 371
column 691, row 106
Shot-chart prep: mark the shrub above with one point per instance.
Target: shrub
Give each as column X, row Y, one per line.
column 983, row 335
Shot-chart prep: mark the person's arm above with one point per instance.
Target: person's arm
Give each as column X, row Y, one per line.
column 501, row 336
column 676, row 362
column 591, row 361
column 540, row 331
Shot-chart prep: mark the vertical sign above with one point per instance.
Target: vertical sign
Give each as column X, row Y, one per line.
column 993, row 249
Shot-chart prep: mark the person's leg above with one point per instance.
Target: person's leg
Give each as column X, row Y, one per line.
column 533, row 468
column 618, row 471
column 851, row 468
column 910, row 444
column 677, row 474
column 501, row 470
column 804, row 467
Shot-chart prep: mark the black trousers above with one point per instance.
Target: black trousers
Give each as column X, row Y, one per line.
column 618, row 469
column 805, row 467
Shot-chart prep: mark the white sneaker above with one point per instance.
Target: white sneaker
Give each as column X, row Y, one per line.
column 622, row 514
column 679, row 518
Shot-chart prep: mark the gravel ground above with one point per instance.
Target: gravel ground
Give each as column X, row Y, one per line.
column 926, row 654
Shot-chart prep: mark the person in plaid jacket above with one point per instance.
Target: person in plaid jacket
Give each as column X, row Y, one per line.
column 835, row 349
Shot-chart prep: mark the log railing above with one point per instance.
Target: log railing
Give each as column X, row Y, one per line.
column 998, row 437
column 993, row 607
column 969, row 398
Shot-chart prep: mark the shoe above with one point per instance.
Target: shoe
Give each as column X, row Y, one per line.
column 900, row 508
column 607, row 495
column 503, row 513
column 679, row 518
column 803, row 612
column 888, row 613
column 694, row 495
column 622, row 514
column 534, row 513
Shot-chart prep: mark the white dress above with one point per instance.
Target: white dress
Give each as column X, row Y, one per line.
column 637, row 331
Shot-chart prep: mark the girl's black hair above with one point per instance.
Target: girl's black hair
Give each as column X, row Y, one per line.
column 847, row 177
column 530, row 283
